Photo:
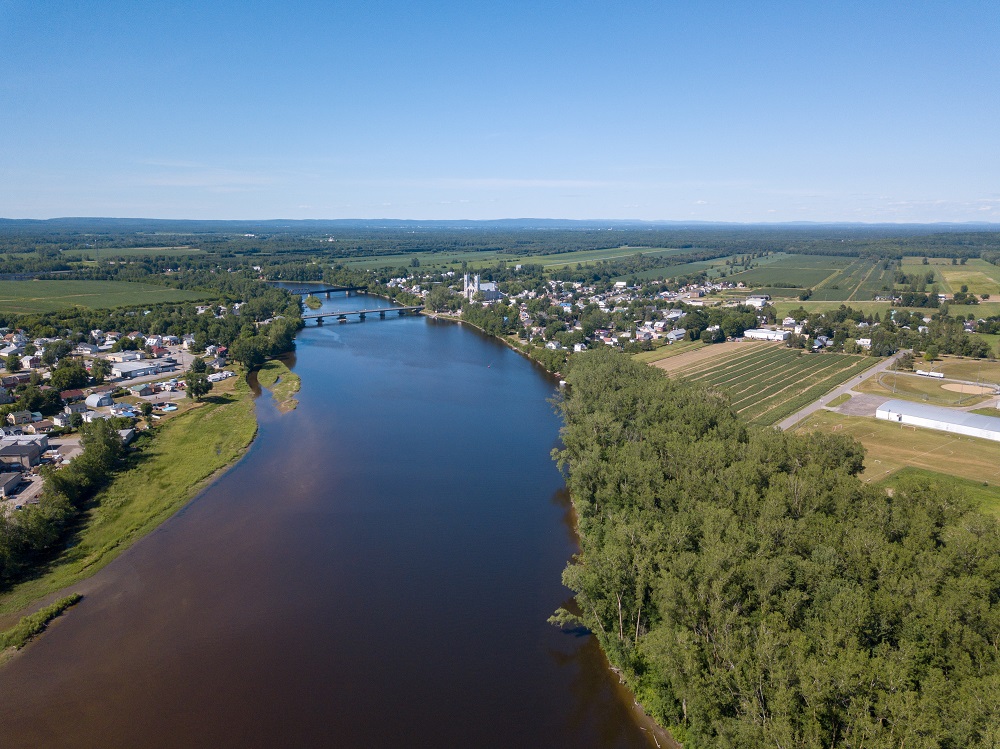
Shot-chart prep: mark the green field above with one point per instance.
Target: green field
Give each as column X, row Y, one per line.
column 861, row 280
column 985, row 494
column 665, row 352
column 890, row 447
column 767, row 382
column 106, row 253
column 449, row 259
column 800, row 271
column 26, row 297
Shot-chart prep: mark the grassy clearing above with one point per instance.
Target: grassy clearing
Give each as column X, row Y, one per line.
column 26, row 297
column 890, row 447
column 981, row 277
column 985, row 494
column 281, row 381
column 312, row 302
column 767, row 382
column 989, row 411
column 164, row 474
column 34, row 624
column 916, row 388
column 839, row 400
column 665, row 352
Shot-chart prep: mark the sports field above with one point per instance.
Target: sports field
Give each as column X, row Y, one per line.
column 912, row 387
column 767, row 381
column 26, row 297
column 890, row 447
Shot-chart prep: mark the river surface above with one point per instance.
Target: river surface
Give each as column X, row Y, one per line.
column 376, row 572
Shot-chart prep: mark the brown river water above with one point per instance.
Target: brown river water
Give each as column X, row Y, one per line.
column 376, row 572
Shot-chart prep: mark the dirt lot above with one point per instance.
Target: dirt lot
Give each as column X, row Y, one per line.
column 683, row 361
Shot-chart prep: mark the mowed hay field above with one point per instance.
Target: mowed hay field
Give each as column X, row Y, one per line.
column 890, row 447
column 766, row 381
column 27, row 297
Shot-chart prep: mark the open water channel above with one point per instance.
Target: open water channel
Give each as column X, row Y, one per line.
column 376, row 572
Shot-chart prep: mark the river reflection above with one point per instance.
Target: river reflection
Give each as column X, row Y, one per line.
column 376, row 572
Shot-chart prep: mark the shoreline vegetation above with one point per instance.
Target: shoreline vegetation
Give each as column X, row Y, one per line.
column 282, row 383
column 164, row 473
column 33, row 625
column 750, row 590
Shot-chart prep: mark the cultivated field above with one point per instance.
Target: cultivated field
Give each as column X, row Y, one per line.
column 861, row 280
column 800, row 271
column 766, row 381
column 26, row 297
column 665, row 352
column 890, row 447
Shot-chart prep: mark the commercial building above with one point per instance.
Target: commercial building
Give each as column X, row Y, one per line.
column 126, row 370
column 942, row 419
column 763, row 334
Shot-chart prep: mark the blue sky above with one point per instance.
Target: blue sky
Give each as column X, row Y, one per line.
column 730, row 111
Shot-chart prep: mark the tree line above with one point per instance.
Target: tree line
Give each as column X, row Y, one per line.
column 753, row 592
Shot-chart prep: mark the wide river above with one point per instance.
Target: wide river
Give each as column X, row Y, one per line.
column 376, row 572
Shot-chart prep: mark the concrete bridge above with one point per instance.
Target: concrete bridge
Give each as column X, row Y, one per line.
column 362, row 313
column 330, row 290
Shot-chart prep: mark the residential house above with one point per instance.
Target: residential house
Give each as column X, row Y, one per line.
column 77, row 407
column 19, row 417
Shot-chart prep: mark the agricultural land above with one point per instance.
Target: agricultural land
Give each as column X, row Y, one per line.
column 766, row 382
column 27, row 297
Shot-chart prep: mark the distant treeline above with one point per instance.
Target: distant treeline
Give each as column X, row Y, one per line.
column 753, row 592
column 45, row 240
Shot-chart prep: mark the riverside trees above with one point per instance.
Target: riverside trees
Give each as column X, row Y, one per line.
column 754, row 592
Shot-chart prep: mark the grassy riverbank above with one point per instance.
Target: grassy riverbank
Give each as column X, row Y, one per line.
column 165, row 472
column 33, row 625
column 282, row 382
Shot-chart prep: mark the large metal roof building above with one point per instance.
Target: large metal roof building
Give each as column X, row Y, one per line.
column 944, row 419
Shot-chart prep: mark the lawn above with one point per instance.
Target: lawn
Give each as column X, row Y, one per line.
column 165, row 472
column 890, row 447
column 27, row 297
column 767, row 382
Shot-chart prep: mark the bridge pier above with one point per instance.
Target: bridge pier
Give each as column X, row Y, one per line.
column 382, row 314
column 361, row 316
column 328, row 295
column 319, row 320
column 341, row 318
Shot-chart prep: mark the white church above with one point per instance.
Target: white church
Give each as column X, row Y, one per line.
column 473, row 286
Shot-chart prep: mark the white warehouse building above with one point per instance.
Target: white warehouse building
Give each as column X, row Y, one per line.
column 943, row 419
column 763, row 334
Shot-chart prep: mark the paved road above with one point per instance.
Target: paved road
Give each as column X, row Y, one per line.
column 815, row 406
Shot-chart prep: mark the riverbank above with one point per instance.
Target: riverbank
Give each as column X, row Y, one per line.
column 167, row 470
column 282, row 382
column 512, row 342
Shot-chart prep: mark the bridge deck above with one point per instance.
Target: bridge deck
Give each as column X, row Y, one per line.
column 348, row 312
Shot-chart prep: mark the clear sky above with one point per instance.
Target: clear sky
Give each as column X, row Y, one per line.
column 660, row 109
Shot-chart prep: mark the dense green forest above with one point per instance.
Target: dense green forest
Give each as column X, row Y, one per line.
column 753, row 592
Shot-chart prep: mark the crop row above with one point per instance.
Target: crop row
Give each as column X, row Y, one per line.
column 764, row 366
column 798, row 378
column 767, row 356
column 776, row 389
column 784, row 408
